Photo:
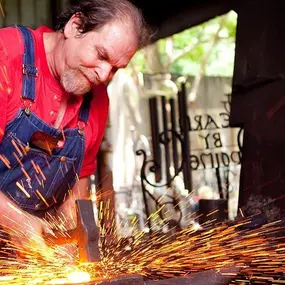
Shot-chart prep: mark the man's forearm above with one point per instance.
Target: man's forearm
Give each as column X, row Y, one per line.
column 67, row 211
column 10, row 213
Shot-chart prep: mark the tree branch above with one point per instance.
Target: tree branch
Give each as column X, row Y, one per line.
column 153, row 59
column 204, row 60
column 185, row 50
column 169, row 52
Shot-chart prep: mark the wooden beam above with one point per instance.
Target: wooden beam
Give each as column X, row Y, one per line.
column 192, row 16
column 258, row 105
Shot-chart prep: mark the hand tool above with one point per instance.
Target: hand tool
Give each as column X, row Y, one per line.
column 85, row 235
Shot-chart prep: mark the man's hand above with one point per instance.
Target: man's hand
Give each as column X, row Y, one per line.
column 27, row 237
column 65, row 218
column 25, row 231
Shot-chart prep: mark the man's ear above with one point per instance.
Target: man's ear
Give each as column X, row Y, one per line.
column 71, row 28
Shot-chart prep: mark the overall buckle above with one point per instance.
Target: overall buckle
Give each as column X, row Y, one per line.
column 29, row 70
column 27, row 106
column 81, row 126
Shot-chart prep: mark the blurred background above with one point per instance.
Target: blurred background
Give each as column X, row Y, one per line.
column 146, row 105
column 168, row 144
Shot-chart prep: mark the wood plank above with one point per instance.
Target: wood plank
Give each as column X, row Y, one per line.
column 27, row 13
column 187, row 17
column 258, row 106
column 43, row 12
column 12, row 12
column 2, row 14
column 64, row 4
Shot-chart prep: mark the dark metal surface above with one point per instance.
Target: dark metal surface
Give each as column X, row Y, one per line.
column 155, row 139
column 166, row 139
column 120, row 280
column 174, row 139
column 219, row 182
column 210, row 277
column 125, row 280
column 88, row 232
column 215, row 211
column 185, row 127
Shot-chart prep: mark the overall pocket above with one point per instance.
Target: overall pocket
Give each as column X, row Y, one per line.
column 34, row 179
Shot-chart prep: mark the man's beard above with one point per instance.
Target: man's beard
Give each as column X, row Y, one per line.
column 77, row 81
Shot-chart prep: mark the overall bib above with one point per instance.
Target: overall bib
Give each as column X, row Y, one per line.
column 34, row 179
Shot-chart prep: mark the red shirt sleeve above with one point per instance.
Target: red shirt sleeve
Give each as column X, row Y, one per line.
column 97, row 122
column 11, row 48
column 6, row 87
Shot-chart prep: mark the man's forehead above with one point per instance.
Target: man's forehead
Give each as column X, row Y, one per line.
column 119, row 57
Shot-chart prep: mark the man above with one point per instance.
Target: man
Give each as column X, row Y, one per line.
column 52, row 126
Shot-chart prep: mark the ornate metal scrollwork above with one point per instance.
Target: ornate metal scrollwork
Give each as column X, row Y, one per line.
column 240, row 138
column 151, row 166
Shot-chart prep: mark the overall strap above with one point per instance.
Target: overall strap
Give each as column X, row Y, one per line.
column 85, row 107
column 30, row 71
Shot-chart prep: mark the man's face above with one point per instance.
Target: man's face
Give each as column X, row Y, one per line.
column 95, row 57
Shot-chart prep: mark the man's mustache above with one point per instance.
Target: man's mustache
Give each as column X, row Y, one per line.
column 90, row 75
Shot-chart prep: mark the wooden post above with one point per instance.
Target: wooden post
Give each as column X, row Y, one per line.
column 258, row 103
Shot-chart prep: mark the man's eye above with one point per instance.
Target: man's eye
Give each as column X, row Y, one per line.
column 101, row 56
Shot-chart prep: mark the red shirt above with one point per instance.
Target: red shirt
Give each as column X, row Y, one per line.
column 48, row 94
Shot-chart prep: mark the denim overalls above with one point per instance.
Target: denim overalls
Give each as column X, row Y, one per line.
column 33, row 179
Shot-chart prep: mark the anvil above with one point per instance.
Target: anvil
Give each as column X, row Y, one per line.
column 210, row 277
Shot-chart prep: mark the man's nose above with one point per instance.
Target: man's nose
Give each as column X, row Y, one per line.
column 104, row 72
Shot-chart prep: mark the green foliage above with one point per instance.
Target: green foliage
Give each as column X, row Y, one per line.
column 198, row 41
column 139, row 61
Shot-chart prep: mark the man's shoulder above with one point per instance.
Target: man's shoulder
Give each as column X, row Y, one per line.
column 8, row 31
column 11, row 42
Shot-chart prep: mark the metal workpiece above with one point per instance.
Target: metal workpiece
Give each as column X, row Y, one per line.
column 87, row 232
column 125, row 280
column 210, row 277
column 120, row 280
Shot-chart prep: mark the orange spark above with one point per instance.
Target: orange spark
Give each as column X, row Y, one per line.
column 42, row 197
column 23, row 189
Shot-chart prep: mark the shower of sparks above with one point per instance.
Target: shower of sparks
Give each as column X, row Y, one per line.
column 259, row 253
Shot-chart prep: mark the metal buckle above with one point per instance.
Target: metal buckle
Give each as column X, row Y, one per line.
column 81, row 126
column 29, row 70
column 27, row 106
column 27, row 103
